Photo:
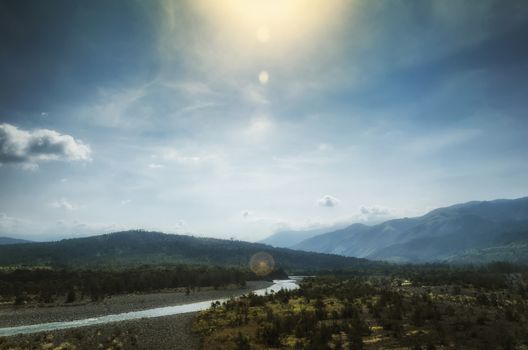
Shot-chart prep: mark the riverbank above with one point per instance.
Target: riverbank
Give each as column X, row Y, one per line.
column 161, row 333
column 16, row 316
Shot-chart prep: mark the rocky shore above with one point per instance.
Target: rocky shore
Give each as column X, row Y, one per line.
column 168, row 332
column 11, row 316
column 162, row 333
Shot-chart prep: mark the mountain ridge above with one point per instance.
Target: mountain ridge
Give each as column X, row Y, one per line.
column 473, row 225
column 288, row 238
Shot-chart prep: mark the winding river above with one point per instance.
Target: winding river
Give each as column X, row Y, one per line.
column 134, row 315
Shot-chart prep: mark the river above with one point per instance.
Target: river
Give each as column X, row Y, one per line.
column 134, row 315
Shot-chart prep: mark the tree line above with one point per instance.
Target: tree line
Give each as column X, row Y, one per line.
column 50, row 285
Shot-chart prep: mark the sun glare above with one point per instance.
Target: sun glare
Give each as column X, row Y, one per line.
column 257, row 19
column 265, row 11
column 263, row 34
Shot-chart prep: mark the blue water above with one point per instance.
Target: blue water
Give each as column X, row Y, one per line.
column 134, row 315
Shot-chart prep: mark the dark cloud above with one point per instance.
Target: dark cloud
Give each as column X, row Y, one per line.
column 21, row 146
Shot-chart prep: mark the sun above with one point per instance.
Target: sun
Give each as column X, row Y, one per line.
column 265, row 11
column 287, row 20
column 263, row 34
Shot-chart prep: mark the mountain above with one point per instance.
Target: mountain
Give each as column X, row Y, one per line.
column 474, row 231
column 141, row 247
column 286, row 239
column 9, row 240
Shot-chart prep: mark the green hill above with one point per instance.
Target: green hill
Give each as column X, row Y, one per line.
column 140, row 247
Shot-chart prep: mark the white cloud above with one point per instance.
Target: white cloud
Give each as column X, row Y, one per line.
column 190, row 87
column 156, row 166
column 188, row 157
column 328, row 201
column 255, row 222
column 63, row 204
column 254, row 95
column 53, row 230
column 374, row 214
column 324, row 147
column 29, row 147
column 196, row 107
column 259, row 125
column 374, row 211
column 113, row 108
column 425, row 145
column 8, row 224
column 180, row 224
column 76, row 228
column 171, row 154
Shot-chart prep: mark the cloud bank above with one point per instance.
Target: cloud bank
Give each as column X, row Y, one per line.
column 29, row 147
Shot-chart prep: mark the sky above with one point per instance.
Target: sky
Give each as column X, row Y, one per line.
column 238, row 118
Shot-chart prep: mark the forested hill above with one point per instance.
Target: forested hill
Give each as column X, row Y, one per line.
column 141, row 247
column 9, row 240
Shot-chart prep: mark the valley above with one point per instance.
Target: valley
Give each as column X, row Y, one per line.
column 142, row 289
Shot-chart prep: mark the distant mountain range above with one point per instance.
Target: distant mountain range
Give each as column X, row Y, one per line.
column 140, row 247
column 9, row 240
column 289, row 238
column 470, row 232
column 474, row 232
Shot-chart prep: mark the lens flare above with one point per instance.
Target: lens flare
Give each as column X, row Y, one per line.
column 261, row 263
column 263, row 77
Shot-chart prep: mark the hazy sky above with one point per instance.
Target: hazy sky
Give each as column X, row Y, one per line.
column 235, row 118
